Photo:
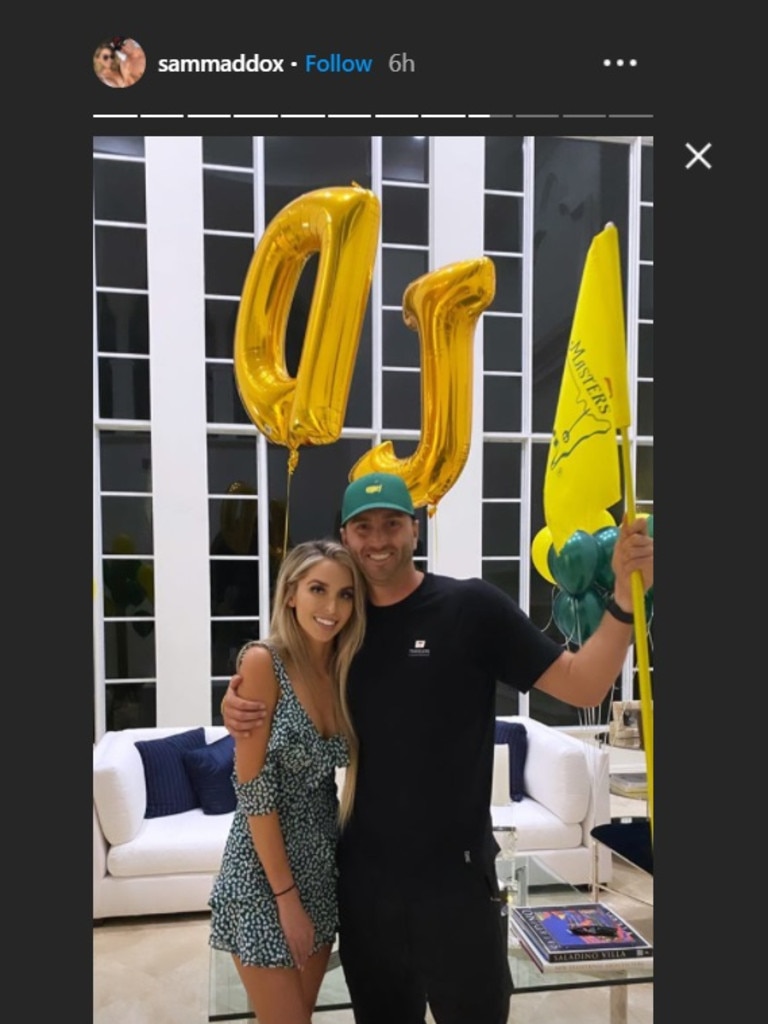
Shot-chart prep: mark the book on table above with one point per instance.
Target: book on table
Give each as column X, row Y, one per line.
column 579, row 935
column 631, row 784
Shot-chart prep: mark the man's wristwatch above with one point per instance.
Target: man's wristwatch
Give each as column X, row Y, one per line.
column 618, row 613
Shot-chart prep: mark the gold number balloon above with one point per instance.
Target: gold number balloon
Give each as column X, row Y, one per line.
column 342, row 224
column 443, row 306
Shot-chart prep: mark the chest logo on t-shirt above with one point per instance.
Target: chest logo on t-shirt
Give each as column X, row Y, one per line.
column 419, row 649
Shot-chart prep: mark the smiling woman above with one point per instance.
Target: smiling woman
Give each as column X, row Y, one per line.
column 106, row 66
column 274, row 900
column 119, row 62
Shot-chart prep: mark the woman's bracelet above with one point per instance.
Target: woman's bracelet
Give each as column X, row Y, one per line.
column 284, row 891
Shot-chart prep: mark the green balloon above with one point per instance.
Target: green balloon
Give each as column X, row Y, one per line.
column 574, row 567
column 577, row 618
column 606, row 541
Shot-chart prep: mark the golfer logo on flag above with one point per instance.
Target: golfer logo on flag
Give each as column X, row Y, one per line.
column 582, row 479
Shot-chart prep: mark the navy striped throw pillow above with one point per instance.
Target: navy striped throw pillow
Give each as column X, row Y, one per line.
column 169, row 790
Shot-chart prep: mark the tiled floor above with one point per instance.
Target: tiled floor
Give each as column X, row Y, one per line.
column 155, row 970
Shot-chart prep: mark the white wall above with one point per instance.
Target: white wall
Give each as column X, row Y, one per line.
column 179, row 465
column 455, row 541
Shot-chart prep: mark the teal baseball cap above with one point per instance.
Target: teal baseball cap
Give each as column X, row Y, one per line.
column 376, row 490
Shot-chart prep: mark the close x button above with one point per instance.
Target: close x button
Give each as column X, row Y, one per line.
column 698, row 156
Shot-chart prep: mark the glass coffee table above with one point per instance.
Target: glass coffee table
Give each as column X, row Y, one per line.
column 538, row 885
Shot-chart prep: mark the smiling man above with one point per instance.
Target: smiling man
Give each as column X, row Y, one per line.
column 419, row 912
column 379, row 527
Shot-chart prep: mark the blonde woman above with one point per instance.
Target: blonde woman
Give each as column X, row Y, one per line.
column 106, row 66
column 274, row 901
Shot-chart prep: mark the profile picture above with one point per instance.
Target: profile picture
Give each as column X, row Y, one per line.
column 119, row 62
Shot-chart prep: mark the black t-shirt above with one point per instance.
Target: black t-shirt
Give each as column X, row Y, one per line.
column 422, row 697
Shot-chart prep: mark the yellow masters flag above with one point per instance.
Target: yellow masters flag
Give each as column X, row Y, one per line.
column 582, row 478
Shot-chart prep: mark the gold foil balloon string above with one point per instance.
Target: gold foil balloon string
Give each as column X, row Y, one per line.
column 293, row 461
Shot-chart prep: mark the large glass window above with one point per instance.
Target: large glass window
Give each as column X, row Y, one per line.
column 542, row 199
column 125, row 646
column 576, row 187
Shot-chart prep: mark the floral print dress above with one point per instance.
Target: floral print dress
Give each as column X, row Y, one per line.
column 298, row 781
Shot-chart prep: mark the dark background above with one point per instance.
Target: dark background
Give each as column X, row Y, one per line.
column 706, row 599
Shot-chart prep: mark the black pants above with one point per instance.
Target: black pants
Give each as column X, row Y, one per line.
column 444, row 945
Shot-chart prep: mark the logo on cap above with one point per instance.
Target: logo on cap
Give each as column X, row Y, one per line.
column 374, row 489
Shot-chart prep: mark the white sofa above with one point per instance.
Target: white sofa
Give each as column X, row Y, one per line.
column 166, row 865
column 144, row 865
column 567, row 794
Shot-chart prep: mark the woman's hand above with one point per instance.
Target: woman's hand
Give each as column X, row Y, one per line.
column 297, row 927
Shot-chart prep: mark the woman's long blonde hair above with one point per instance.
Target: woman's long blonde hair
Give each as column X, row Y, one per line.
column 289, row 640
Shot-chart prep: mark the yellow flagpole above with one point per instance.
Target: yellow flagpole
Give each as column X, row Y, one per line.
column 641, row 633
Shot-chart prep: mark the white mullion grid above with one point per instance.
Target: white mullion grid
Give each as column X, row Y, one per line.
column 250, row 432
column 143, row 495
column 526, row 411
column 130, row 356
column 506, row 192
column 243, row 430
column 127, row 680
column 631, row 317
column 526, row 424
column 119, row 158
column 393, row 183
column 621, row 139
column 124, row 494
column 99, row 654
column 636, row 363
column 233, row 497
column 404, row 247
column 386, row 435
column 503, row 254
column 130, row 224
column 120, row 291
column 632, row 287
column 229, row 168
column 377, row 309
column 99, row 618
column 262, row 469
column 503, row 501
column 431, row 524
column 221, row 233
column 525, row 375
column 642, row 380
column 127, row 425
